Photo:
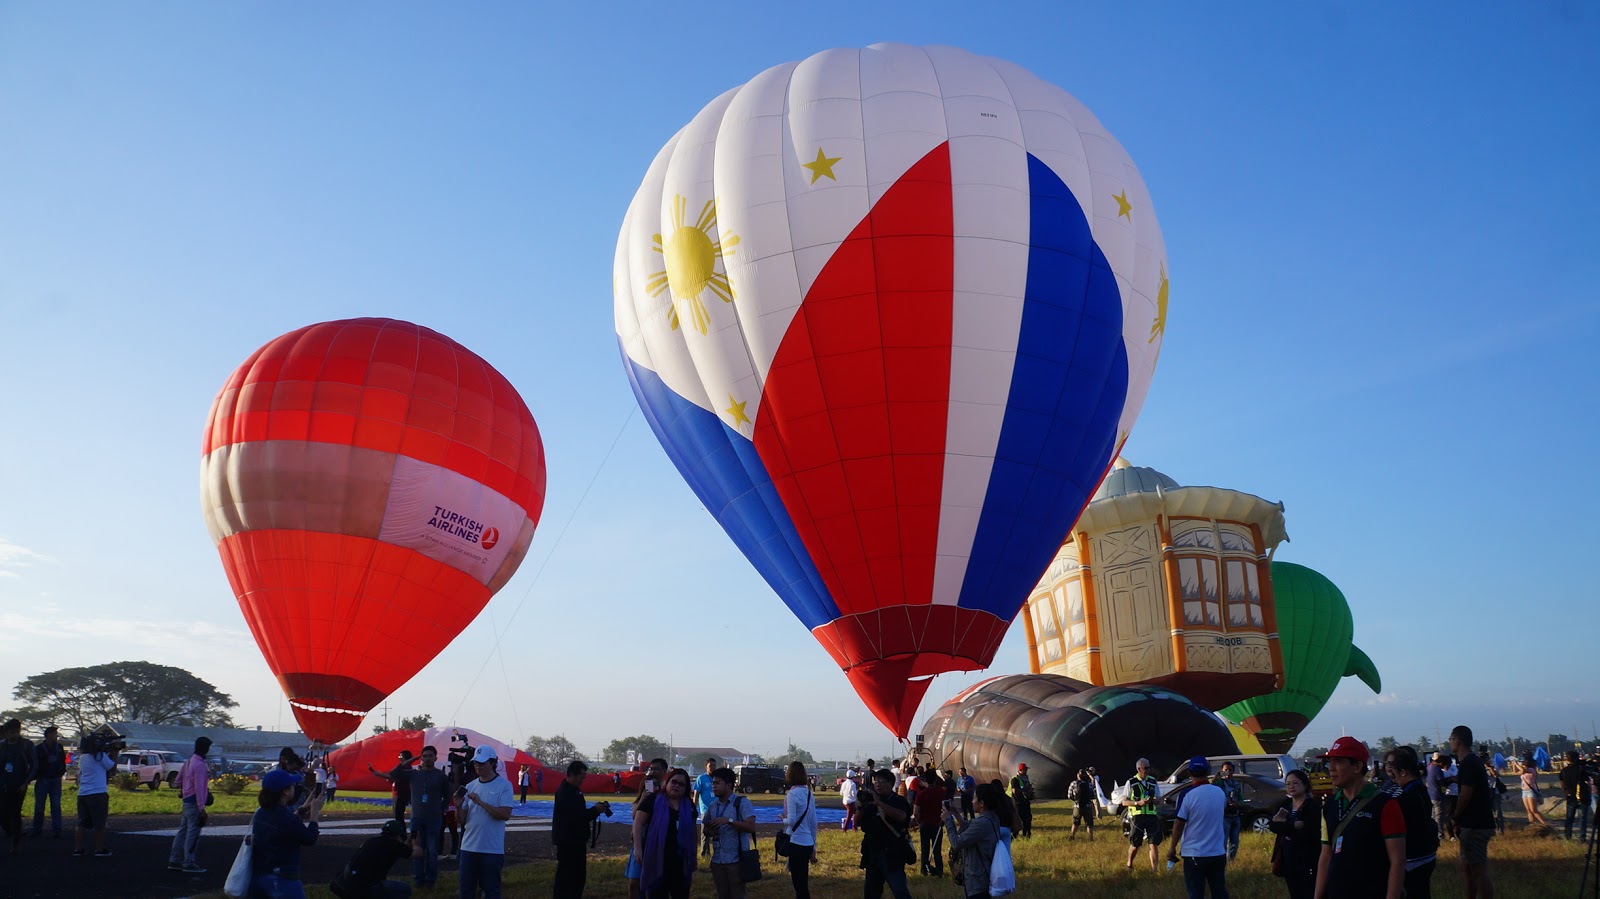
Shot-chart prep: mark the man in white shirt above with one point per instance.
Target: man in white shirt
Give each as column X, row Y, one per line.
column 485, row 808
column 1203, row 834
column 850, row 791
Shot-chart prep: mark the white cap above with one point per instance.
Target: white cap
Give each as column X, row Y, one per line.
column 485, row 754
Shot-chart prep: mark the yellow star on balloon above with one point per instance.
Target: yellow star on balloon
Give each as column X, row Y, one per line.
column 1124, row 208
column 822, row 165
column 735, row 411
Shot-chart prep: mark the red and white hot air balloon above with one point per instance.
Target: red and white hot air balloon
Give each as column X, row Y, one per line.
column 369, row 484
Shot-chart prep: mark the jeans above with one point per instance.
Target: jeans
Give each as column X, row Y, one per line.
column 271, row 886
column 425, row 870
column 1231, row 825
column 187, row 839
column 47, row 787
column 1202, row 871
column 481, row 870
column 1441, row 818
column 881, row 871
column 1574, row 810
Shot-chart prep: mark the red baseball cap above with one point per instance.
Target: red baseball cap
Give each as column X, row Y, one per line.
column 1022, row 767
column 1347, row 748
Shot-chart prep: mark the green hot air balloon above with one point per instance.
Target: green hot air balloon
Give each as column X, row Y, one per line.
column 1316, row 633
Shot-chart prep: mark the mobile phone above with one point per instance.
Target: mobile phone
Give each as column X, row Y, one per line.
column 650, row 785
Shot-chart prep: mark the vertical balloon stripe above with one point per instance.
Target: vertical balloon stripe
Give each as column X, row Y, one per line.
column 1068, row 386
column 853, row 414
column 723, row 471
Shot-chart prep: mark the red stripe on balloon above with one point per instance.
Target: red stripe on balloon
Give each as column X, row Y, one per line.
column 390, row 386
column 853, row 414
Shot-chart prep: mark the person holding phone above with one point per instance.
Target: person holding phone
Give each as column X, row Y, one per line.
column 654, row 775
column 485, row 808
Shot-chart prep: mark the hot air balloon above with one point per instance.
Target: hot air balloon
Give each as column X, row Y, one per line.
column 891, row 312
column 1315, row 630
column 1057, row 725
column 1166, row 585
column 369, row 484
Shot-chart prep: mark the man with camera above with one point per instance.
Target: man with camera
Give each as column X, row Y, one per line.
column 885, row 849
column 97, row 756
column 569, row 829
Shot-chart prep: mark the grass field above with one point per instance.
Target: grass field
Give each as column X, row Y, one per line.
column 166, row 801
column 1524, row 866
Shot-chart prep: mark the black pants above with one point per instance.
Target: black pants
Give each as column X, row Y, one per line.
column 572, row 871
column 1419, row 882
column 800, row 870
column 1025, row 812
column 1302, row 883
column 932, row 840
column 524, row 792
column 400, row 803
column 11, row 809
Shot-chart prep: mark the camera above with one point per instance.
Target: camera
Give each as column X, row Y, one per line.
column 95, row 743
column 458, row 737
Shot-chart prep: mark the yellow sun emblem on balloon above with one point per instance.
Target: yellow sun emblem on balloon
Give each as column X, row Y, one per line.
column 1159, row 327
column 691, row 269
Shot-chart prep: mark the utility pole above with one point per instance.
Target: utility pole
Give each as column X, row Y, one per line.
column 385, row 710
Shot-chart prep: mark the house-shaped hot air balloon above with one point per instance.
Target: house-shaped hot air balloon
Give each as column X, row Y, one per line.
column 1164, row 585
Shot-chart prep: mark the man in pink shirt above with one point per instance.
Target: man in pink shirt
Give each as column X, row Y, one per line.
column 194, row 783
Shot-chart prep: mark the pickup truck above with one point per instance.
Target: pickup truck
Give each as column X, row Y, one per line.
column 152, row 766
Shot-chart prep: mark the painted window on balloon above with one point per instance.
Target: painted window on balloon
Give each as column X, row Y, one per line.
column 1077, row 617
column 1197, row 578
column 1193, row 532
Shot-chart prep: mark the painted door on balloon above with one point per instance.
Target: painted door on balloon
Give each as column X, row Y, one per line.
column 1134, row 642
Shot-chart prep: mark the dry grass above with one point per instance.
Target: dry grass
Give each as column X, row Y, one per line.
column 1524, row 866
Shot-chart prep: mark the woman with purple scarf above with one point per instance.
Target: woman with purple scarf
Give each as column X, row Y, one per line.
column 664, row 839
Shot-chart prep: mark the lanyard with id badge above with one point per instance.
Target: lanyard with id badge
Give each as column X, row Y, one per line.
column 1337, row 836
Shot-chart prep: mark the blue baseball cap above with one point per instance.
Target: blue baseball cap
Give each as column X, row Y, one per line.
column 1200, row 763
column 278, row 779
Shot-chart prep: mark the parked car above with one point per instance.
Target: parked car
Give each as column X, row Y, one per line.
column 152, row 767
column 1275, row 767
column 757, row 779
column 1261, row 796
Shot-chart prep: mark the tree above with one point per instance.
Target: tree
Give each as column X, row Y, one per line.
column 123, row 691
column 554, row 751
column 1423, row 744
column 1386, row 743
column 616, row 752
column 416, row 722
column 795, row 754
column 379, row 729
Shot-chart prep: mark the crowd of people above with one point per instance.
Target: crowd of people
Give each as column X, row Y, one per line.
column 1376, row 835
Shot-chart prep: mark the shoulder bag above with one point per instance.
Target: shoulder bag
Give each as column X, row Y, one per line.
column 781, row 841
column 749, row 859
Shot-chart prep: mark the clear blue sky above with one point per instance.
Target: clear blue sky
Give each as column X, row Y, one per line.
column 1381, row 226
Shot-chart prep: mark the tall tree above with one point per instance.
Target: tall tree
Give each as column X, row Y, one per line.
column 1386, row 743
column 616, row 752
column 555, row 750
column 795, row 754
column 124, row 691
column 417, row 722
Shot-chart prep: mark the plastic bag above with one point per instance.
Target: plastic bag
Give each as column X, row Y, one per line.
column 238, row 883
column 1002, row 877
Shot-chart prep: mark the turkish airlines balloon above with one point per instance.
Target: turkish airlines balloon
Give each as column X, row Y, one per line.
column 369, row 484
column 891, row 312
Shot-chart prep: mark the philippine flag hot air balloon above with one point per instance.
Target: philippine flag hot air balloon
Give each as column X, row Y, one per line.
column 891, row 312
column 369, row 485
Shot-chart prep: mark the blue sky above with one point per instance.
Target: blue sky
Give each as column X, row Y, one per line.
column 1381, row 227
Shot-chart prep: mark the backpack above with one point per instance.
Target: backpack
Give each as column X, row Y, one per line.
column 1002, row 877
